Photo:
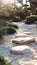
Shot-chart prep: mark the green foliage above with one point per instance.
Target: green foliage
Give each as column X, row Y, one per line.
column 22, row 12
column 13, row 25
column 3, row 61
column 2, row 31
column 16, row 14
column 31, row 16
column 31, row 19
column 11, row 30
column 16, row 19
column 8, row 63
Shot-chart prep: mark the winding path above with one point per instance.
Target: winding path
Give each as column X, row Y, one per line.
column 27, row 59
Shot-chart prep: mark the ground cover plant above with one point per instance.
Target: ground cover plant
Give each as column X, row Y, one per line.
column 3, row 61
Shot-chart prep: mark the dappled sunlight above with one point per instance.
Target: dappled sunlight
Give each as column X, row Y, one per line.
column 19, row 31
column 7, row 1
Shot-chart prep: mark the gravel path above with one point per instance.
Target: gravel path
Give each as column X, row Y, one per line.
column 26, row 59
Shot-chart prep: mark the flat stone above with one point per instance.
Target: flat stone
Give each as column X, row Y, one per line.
column 23, row 40
column 23, row 49
column 20, row 35
column 28, row 33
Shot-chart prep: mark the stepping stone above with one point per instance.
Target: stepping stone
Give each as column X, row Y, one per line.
column 23, row 49
column 28, row 33
column 23, row 40
column 20, row 35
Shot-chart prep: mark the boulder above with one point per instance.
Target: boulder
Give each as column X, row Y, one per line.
column 23, row 49
column 23, row 40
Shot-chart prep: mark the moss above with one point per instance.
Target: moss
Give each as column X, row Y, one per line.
column 31, row 19
column 13, row 25
column 11, row 30
column 7, row 30
column 2, row 31
column 3, row 61
column 31, row 16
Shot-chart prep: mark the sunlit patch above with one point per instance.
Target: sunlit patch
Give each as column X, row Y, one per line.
column 7, row 1
column 35, row 64
column 18, row 4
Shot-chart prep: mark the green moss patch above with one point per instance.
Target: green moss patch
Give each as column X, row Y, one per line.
column 3, row 61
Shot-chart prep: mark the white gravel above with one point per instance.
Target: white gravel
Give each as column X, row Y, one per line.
column 26, row 59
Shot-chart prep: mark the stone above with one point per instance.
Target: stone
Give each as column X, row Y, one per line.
column 20, row 35
column 23, row 40
column 28, row 33
column 23, row 49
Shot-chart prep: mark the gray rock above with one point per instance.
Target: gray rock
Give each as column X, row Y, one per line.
column 23, row 49
column 23, row 40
